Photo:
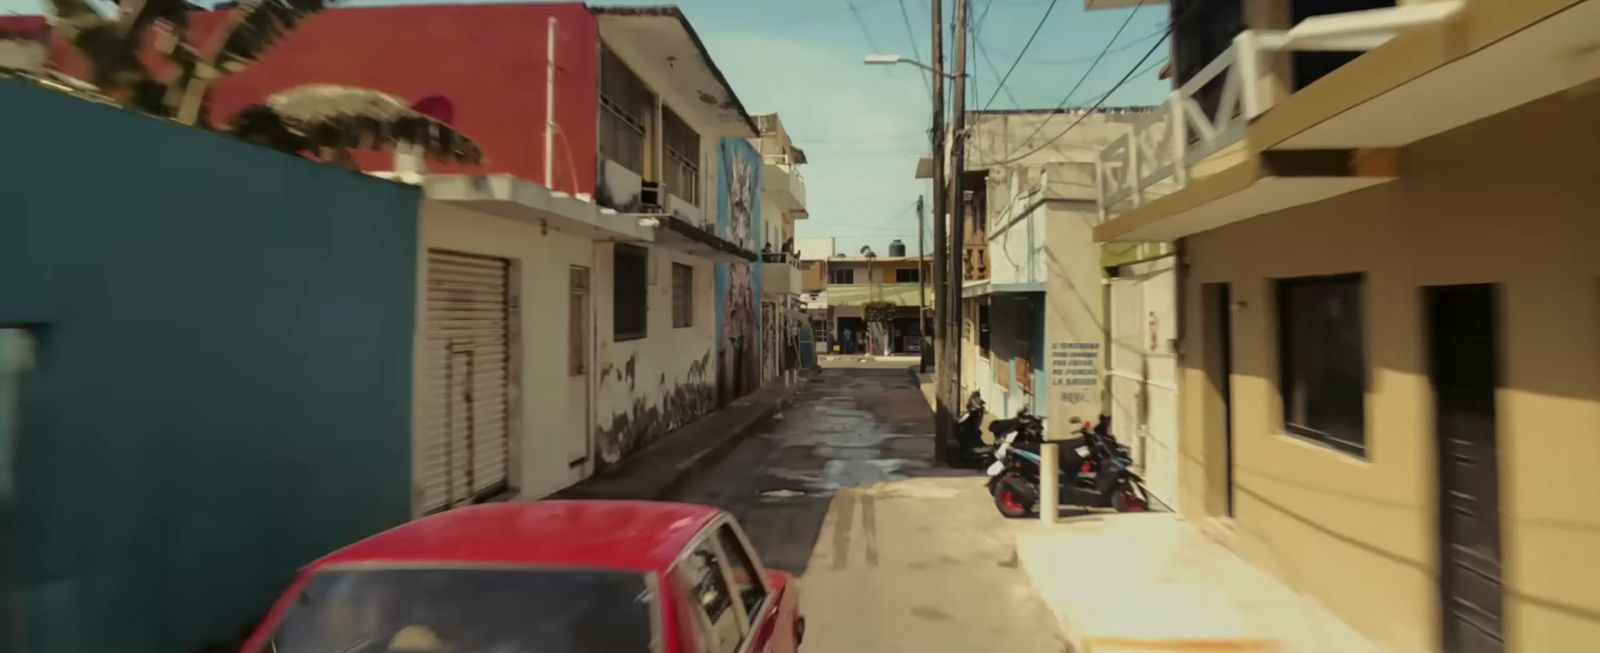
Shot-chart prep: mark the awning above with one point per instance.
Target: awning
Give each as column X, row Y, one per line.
column 984, row 288
column 514, row 198
column 680, row 234
column 1271, row 181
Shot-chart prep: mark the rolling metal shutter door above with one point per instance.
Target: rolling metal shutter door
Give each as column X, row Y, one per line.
column 466, row 379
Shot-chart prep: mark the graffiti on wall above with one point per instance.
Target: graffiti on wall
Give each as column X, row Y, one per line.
column 738, row 284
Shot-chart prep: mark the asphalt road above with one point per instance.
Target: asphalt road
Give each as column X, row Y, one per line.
column 893, row 554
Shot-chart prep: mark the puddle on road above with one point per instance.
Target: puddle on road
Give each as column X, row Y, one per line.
column 834, row 441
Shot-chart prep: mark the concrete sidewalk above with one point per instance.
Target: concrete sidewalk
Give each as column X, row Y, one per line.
column 1154, row 583
column 661, row 469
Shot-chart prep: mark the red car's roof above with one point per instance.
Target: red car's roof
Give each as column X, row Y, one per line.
column 641, row 535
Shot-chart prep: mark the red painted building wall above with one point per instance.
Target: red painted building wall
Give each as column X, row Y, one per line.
column 487, row 59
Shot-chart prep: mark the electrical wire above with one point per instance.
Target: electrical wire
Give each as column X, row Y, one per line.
column 1072, row 61
column 1085, row 113
column 905, row 17
column 1085, row 76
column 1025, row 46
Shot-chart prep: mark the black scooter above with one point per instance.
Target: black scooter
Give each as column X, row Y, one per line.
column 1094, row 473
column 967, row 448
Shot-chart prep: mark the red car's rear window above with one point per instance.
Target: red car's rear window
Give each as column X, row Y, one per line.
column 421, row 610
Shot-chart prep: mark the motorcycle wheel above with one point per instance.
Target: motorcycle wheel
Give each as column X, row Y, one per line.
column 1128, row 499
column 1010, row 500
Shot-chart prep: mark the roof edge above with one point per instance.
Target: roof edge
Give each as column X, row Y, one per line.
column 674, row 11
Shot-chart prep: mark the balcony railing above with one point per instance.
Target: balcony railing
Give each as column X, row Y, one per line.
column 780, row 257
column 1157, row 154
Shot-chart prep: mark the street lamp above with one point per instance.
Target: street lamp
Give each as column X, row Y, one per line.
column 891, row 59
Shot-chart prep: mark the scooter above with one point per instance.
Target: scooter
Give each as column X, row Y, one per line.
column 968, row 449
column 1095, row 473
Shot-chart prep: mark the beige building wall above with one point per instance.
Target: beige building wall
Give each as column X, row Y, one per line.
column 552, row 411
column 1512, row 200
column 1075, row 303
column 649, row 386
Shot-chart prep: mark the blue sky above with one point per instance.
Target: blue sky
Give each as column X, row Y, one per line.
column 863, row 127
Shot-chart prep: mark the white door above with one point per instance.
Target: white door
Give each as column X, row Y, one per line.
column 1144, row 392
column 467, row 380
column 580, row 352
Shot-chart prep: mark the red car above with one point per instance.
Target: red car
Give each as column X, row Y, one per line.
column 542, row 577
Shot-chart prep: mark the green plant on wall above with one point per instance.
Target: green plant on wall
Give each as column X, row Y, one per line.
column 324, row 120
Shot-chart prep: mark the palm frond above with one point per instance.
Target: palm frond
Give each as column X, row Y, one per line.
column 317, row 117
column 255, row 25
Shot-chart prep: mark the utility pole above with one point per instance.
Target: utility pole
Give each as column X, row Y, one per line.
column 922, row 292
column 943, row 345
column 957, row 203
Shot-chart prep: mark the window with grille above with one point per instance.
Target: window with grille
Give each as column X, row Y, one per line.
column 630, row 267
column 682, row 175
column 626, row 107
column 682, row 296
column 907, row 275
column 842, row 276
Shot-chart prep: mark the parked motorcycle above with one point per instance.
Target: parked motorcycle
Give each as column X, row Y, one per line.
column 967, row 448
column 1095, row 472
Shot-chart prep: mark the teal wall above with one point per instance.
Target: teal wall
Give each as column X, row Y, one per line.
column 222, row 378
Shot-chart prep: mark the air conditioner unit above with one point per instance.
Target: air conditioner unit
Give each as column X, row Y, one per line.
column 650, row 196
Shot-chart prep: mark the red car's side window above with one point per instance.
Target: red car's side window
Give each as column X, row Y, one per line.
column 717, row 622
column 746, row 577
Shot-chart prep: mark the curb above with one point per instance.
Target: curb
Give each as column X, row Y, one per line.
column 696, row 465
column 664, row 482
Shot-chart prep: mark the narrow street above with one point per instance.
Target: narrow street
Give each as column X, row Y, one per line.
column 894, row 555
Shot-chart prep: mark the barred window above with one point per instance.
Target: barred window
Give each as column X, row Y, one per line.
column 682, row 174
column 626, row 107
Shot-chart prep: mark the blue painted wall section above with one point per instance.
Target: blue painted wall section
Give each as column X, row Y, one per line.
column 739, row 284
column 222, row 387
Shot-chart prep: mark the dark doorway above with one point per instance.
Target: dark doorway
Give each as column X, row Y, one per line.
column 1217, row 307
column 1463, row 350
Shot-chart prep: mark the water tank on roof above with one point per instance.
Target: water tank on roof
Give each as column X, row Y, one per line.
column 897, row 248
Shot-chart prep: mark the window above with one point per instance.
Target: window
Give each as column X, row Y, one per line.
column 1310, row 66
column 682, row 144
column 626, row 110
column 682, row 296
column 842, row 276
column 720, row 631
column 469, row 610
column 907, row 275
column 1321, row 360
column 746, row 577
column 983, row 330
column 630, row 270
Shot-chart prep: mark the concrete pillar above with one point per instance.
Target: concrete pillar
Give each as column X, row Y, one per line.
column 1049, row 482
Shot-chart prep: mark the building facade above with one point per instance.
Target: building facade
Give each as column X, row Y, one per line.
column 869, row 304
column 205, row 378
column 1387, row 314
column 783, row 202
column 594, row 284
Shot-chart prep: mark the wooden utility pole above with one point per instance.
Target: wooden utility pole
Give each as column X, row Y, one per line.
column 922, row 292
column 943, row 345
column 956, row 204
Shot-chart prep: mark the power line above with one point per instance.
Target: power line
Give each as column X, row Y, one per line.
column 1069, row 61
column 905, row 17
column 854, row 11
column 1085, row 76
column 1088, row 111
column 1024, row 51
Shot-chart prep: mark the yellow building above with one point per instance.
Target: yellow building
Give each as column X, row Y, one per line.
column 1389, row 304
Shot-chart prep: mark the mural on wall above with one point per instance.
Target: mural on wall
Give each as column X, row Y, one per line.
column 738, row 284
